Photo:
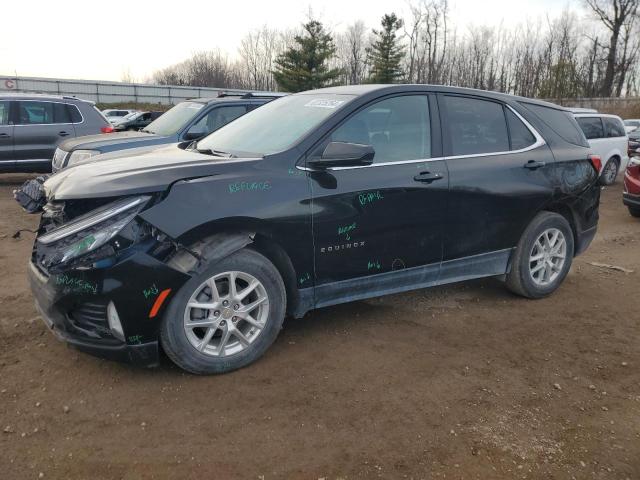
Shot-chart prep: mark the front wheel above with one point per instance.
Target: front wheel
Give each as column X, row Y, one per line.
column 635, row 212
column 543, row 256
column 609, row 172
column 226, row 316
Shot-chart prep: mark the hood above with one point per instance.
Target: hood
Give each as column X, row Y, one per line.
column 108, row 141
column 142, row 170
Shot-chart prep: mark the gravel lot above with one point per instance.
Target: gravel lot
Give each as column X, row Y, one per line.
column 464, row 381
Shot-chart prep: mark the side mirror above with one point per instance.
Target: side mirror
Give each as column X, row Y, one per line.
column 193, row 135
column 342, row 154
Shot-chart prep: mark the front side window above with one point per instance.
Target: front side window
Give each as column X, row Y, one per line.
column 613, row 127
column 591, row 126
column 397, row 128
column 175, row 119
column 276, row 126
column 216, row 118
column 476, row 126
column 4, row 113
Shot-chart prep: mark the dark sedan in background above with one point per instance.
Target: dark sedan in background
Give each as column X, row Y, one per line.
column 136, row 121
column 188, row 120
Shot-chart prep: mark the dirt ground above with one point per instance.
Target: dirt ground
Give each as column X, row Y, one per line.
column 461, row 382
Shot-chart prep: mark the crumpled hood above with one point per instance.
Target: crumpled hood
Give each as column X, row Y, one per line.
column 106, row 140
column 129, row 172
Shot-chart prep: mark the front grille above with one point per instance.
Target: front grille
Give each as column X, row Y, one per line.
column 58, row 159
column 90, row 320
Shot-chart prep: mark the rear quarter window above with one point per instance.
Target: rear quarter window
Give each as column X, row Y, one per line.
column 613, row 127
column 561, row 122
column 74, row 113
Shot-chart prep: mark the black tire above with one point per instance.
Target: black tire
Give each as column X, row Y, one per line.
column 519, row 279
column 607, row 177
column 635, row 212
column 174, row 338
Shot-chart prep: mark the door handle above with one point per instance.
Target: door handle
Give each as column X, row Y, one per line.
column 5, row 135
column 427, row 177
column 63, row 133
column 534, row 164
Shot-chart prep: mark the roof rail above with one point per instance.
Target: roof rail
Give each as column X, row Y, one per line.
column 252, row 94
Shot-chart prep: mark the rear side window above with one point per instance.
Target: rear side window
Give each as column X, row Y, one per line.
column 521, row 136
column 42, row 113
column 591, row 126
column 613, row 127
column 476, row 126
column 4, row 113
column 561, row 122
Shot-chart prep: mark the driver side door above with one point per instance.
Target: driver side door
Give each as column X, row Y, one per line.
column 379, row 228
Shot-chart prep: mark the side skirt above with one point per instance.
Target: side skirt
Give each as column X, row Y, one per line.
column 451, row 271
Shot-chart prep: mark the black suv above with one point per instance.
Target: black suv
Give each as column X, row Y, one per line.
column 188, row 120
column 315, row 199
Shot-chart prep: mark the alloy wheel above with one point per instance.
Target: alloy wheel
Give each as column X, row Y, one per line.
column 611, row 171
column 547, row 257
column 226, row 314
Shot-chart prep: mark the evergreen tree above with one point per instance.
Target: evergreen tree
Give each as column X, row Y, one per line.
column 304, row 66
column 386, row 52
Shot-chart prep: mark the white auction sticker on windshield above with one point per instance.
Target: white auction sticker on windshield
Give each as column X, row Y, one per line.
column 320, row 103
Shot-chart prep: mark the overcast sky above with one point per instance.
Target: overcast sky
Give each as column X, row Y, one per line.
column 100, row 40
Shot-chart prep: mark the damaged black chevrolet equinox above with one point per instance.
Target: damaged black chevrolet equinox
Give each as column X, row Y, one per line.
column 314, row 199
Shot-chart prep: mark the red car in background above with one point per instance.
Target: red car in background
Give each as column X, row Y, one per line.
column 631, row 195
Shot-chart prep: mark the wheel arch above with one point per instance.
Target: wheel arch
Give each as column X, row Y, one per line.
column 568, row 214
column 225, row 237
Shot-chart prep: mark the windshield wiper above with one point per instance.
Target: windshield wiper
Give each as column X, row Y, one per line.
column 147, row 131
column 216, row 153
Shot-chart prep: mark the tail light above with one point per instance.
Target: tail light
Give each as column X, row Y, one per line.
column 107, row 129
column 596, row 161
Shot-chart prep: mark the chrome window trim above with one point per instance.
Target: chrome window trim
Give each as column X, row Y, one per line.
column 26, row 160
column 538, row 143
column 41, row 124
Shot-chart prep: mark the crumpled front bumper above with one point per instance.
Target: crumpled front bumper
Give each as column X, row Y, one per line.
column 74, row 305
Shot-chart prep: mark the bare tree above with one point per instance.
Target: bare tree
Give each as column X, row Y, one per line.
column 613, row 14
column 351, row 53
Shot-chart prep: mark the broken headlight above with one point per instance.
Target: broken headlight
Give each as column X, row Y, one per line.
column 90, row 231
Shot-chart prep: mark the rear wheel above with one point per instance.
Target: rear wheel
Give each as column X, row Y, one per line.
column 543, row 256
column 635, row 212
column 225, row 316
column 610, row 172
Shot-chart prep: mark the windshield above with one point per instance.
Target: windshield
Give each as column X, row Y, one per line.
column 175, row 119
column 275, row 126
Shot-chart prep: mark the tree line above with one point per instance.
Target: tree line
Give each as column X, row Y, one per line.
column 586, row 53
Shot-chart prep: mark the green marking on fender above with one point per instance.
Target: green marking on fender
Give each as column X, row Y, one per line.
column 249, row 186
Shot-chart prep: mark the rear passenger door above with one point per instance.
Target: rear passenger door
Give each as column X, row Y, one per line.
column 500, row 176
column 6, row 136
column 39, row 127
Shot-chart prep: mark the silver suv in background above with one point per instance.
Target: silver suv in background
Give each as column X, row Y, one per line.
column 32, row 125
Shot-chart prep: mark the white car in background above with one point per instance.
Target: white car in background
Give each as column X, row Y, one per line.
column 115, row 115
column 608, row 139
